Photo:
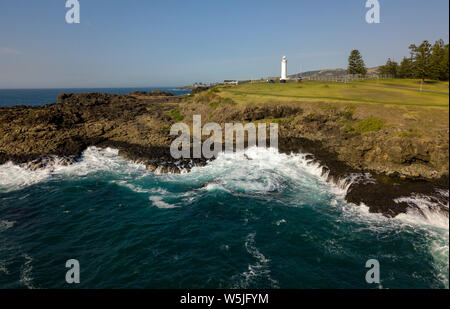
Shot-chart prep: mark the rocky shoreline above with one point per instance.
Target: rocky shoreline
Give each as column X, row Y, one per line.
column 138, row 126
column 377, row 191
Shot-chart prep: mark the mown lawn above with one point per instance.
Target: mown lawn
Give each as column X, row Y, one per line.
column 410, row 83
column 410, row 113
column 334, row 93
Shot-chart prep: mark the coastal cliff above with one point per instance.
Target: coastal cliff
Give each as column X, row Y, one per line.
column 138, row 125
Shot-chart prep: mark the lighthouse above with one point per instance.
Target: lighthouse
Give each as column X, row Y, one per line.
column 283, row 69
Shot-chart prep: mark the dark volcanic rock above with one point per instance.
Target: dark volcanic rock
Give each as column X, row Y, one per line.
column 139, row 93
column 380, row 192
column 381, row 195
column 138, row 125
column 153, row 93
column 199, row 89
column 78, row 121
column 160, row 93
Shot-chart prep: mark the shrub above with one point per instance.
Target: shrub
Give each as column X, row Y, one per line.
column 348, row 112
column 221, row 101
column 212, row 99
column 176, row 115
column 410, row 133
column 367, row 125
column 206, row 97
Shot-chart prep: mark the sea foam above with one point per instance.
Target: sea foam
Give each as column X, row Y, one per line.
column 257, row 172
column 93, row 160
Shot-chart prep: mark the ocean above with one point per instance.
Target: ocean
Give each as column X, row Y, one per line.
column 259, row 219
column 35, row 97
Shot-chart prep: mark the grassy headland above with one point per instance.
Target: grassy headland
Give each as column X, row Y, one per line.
column 428, row 85
column 348, row 128
column 387, row 130
column 366, row 108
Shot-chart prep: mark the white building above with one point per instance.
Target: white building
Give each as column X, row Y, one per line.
column 283, row 68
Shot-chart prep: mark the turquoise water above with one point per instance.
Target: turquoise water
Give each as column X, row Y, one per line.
column 268, row 222
column 35, row 97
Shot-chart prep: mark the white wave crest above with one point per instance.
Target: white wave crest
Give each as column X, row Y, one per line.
column 255, row 171
column 14, row 177
column 263, row 171
column 94, row 159
column 425, row 210
column 258, row 172
column 431, row 211
column 260, row 270
column 158, row 202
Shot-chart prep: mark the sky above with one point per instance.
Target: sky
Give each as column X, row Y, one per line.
column 145, row 43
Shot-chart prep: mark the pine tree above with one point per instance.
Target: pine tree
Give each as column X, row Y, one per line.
column 425, row 61
column 422, row 60
column 405, row 69
column 437, row 71
column 439, row 61
column 445, row 63
column 356, row 63
column 390, row 68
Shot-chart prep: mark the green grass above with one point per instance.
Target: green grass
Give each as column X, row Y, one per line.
column 362, row 108
column 333, row 93
column 349, row 111
column 367, row 125
column 268, row 121
column 213, row 99
column 176, row 115
column 409, row 83
column 221, row 101
column 411, row 133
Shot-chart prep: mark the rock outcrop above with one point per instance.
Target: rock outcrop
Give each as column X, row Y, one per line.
column 153, row 93
column 138, row 125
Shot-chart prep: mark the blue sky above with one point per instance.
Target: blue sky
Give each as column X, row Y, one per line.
column 145, row 43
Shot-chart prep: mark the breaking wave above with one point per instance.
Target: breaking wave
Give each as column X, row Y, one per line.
column 432, row 212
column 294, row 180
column 93, row 160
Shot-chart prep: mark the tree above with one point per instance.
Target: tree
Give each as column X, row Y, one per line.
column 390, row 68
column 422, row 60
column 356, row 63
column 439, row 61
column 405, row 70
column 445, row 63
column 425, row 61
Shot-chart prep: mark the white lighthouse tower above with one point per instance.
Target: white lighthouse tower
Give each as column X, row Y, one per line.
column 283, row 69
